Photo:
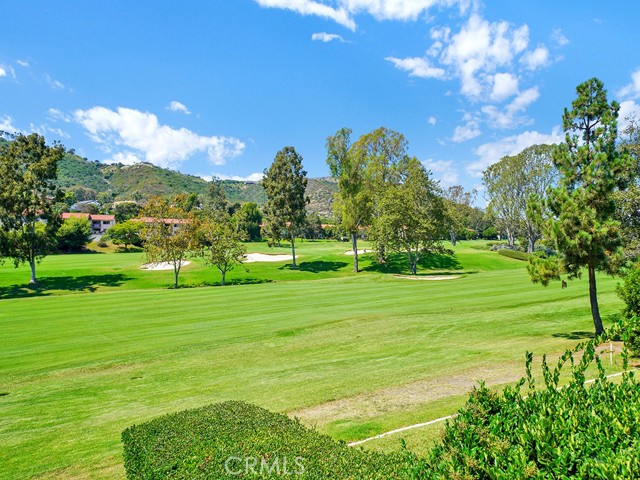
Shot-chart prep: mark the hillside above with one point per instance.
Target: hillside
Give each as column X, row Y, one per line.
column 143, row 180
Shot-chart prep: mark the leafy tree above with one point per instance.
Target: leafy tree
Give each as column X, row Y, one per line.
column 170, row 236
column 28, row 193
column 379, row 150
column 581, row 220
column 285, row 184
column 221, row 243
column 74, row 234
column 413, row 217
column 353, row 203
column 313, row 228
column 215, row 198
column 249, row 220
column 458, row 205
column 125, row 233
column 70, row 197
column 187, row 202
column 124, row 211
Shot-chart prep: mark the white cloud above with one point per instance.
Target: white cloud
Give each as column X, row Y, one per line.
column 309, row 7
column 6, row 71
column 343, row 11
column 559, row 37
column 6, row 124
column 504, row 86
column 509, row 117
column 443, row 170
column 138, row 135
column 468, row 131
column 632, row 90
column 480, row 48
column 53, row 83
column 537, row 58
column 628, row 110
column 58, row 115
column 490, row 153
column 432, row 120
column 176, row 106
column 252, row 177
column 3, row 72
column 22, row 63
column 326, row 37
column 417, row 67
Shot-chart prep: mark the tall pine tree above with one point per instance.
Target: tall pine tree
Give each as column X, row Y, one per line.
column 581, row 209
column 285, row 183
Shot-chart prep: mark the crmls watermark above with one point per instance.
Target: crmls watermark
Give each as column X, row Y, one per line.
column 264, row 466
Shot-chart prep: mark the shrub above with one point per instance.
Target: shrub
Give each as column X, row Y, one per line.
column 197, row 444
column 514, row 254
column 74, row 234
column 629, row 292
column 490, row 233
column 578, row 431
column 102, row 243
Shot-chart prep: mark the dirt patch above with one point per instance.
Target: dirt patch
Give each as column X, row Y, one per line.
column 428, row 277
column 402, row 397
column 263, row 257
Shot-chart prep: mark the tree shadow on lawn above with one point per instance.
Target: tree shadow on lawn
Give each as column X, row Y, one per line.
column 234, row 281
column 397, row 263
column 316, row 266
column 580, row 335
column 48, row 285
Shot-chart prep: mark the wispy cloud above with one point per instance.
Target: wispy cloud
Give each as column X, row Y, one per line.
column 176, row 106
column 252, row 177
column 326, row 37
column 492, row 152
column 137, row 136
column 339, row 15
column 417, row 67
column 443, row 170
column 22, row 63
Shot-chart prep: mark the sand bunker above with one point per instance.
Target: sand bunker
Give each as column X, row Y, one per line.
column 428, row 277
column 262, row 257
column 162, row 265
column 360, row 252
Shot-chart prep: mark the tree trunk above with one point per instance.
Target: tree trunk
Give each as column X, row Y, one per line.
column 531, row 247
column 32, row 264
column 452, row 234
column 293, row 252
column 511, row 238
column 414, row 263
column 224, row 273
column 176, row 272
column 354, row 243
column 593, row 297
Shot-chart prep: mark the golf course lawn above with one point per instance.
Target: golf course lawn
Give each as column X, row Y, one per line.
column 101, row 345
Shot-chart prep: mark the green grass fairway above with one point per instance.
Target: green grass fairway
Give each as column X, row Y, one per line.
column 354, row 355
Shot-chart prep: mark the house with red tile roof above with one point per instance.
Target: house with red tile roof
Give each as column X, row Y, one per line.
column 99, row 223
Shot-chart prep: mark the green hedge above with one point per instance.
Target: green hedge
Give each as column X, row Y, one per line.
column 252, row 442
column 514, row 254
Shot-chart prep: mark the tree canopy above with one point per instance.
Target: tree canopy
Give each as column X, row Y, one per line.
column 28, row 195
column 285, row 183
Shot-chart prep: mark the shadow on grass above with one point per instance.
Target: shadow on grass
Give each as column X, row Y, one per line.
column 235, row 281
column 316, row 266
column 398, row 263
column 48, row 285
column 574, row 335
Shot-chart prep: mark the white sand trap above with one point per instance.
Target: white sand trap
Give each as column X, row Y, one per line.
column 360, row 252
column 262, row 257
column 428, row 277
column 162, row 265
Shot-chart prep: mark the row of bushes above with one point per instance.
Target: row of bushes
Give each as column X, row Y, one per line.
column 579, row 431
column 518, row 255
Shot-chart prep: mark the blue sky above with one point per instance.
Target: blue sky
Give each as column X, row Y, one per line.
column 218, row 87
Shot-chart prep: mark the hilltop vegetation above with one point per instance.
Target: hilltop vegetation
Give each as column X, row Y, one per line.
column 144, row 180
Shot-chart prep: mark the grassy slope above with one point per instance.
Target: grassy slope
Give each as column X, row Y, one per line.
column 80, row 368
